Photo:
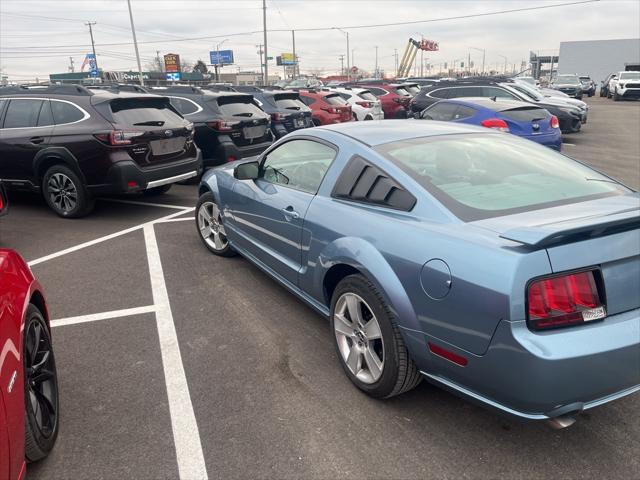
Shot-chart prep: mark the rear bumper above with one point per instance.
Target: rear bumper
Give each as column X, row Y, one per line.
column 122, row 173
column 553, row 140
column 570, row 123
column 537, row 375
column 229, row 150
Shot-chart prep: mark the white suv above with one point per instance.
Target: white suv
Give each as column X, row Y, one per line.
column 625, row 85
column 365, row 105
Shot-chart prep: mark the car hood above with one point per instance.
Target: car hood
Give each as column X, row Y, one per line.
column 567, row 85
column 558, row 102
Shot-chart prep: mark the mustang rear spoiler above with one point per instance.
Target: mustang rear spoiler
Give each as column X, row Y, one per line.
column 547, row 234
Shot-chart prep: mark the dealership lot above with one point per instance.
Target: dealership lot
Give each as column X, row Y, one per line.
column 143, row 310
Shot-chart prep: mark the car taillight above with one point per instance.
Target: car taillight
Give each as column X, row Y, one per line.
column 222, row 126
column 555, row 123
column 279, row 117
column 1, row 203
column 365, row 104
column 118, row 137
column 496, row 123
column 331, row 110
column 564, row 300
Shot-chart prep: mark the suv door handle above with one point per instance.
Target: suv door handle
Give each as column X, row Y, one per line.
column 290, row 213
column 36, row 140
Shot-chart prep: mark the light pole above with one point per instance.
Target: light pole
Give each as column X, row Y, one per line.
column 218, row 64
column 505, row 63
column 376, row 69
column 135, row 43
column 483, row 55
column 348, row 62
column 266, row 55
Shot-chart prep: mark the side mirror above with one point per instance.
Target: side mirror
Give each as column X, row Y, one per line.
column 247, row 171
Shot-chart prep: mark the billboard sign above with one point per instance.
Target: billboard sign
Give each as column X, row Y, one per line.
column 288, row 59
column 221, row 57
column 172, row 76
column 171, row 62
column 90, row 59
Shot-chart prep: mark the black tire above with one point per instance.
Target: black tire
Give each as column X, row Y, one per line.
column 206, row 201
column 152, row 192
column 399, row 372
column 39, row 438
column 78, row 202
column 616, row 97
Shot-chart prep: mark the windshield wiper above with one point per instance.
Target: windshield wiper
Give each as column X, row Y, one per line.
column 153, row 123
column 245, row 114
column 293, row 108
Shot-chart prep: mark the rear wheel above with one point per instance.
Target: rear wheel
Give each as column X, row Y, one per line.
column 152, row 192
column 210, row 227
column 616, row 97
column 65, row 193
column 368, row 342
column 40, row 387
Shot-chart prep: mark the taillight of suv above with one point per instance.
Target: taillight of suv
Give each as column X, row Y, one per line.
column 564, row 300
column 118, row 137
column 222, row 126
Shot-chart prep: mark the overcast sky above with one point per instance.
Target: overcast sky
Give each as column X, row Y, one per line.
column 37, row 37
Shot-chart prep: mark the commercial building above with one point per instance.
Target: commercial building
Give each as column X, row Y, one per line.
column 598, row 58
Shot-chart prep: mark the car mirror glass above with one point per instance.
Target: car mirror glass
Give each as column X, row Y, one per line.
column 247, row 171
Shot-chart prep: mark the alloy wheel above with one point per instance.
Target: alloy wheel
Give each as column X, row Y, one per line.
column 40, row 378
column 62, row 192
column 359, row 338
column 211, row 227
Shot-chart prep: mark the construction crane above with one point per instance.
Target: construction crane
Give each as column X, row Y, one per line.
column 410, row 54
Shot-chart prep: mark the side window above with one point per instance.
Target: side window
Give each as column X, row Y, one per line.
column 300, row 164
column 22, row 113
column 464, row 112
column 307, row 100
column 184, row 106
column 497, row 92
column 46, row 116
column 442, row 111
column 466, row 92
column 440, row 93
column 378, row 92
column 64, row 112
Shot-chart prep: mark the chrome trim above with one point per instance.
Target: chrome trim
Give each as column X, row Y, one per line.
column 177, row 178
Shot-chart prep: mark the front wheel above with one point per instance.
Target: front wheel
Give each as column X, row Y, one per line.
column 616, row 97
column 40, row 387
column 210, row 227
column 368, row 342
column 65, row 193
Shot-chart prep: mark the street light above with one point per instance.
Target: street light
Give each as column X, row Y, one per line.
column 483, row 55
column 218, row 65
column 505, row 63
column 348, row 63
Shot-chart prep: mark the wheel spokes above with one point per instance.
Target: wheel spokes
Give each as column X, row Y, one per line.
column 374, row 364
column 355, row 312
column 342, row 325
column 372, row 329
column 353, row 360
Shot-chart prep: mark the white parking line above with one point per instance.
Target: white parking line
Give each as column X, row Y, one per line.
column 186, row 437
column 127, row 312
column 176, row 220
column 145, row 204
column 105, row 238
column 568, row 144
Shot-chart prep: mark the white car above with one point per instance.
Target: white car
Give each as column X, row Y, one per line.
column 365, row 105
column 625, row 85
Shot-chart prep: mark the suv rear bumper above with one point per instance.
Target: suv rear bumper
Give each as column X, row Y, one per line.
column 122, row 175
column 226, row 150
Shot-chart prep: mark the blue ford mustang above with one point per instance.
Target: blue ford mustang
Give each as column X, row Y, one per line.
column 492, row 266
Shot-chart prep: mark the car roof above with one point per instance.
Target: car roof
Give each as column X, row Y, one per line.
column 496, row 104
column 379, row 132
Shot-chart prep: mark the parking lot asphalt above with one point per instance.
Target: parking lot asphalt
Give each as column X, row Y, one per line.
column 175, row 363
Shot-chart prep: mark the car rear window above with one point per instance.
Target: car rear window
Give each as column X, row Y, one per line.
column 145, row 112
column 412, row 89
column 289, row 102
column 525, row 114
column 238, row 106
column 367, row 95
column 489, row 175
column 402, row 91
column 335, row 99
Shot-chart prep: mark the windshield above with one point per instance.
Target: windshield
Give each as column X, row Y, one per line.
column 239, row 107
column 402, row 91
column 567, row 79
column 630, row 76
column 585, row 79
column 530, row 92
column 490, row 175
column 412, row 89
column 289, row 102
column 145, row 111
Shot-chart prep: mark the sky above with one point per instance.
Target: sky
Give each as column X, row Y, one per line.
column 37, row 37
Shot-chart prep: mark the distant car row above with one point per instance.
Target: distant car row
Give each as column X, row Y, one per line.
column 621, row 86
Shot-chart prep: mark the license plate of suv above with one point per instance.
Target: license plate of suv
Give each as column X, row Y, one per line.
column 253, row 132
column 168, row 146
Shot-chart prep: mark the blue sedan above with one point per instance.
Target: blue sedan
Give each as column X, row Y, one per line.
column 519, row 118
column 485, row 263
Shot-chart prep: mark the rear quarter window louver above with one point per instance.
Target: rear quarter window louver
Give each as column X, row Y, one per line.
column 362, row 182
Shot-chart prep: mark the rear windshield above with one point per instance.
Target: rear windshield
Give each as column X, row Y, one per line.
column 240, row 106
column 412, row 89
column 367, row 95
column 525, row 114
column 402, row 91
column 156, row 112
column 489, row 175
column 289, row 102
column 335, row 99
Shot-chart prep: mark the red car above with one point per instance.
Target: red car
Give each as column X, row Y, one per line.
column 393, row 98
column 28, row 380
column 326, row 107
column 4, row 202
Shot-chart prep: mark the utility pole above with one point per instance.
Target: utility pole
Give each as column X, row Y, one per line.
column 93, row 45
column 261, row 62
column 71, row 68
column 341, row 57
column 160, row 66
column 376, row 69
column 395, row 56
column 266, row 55
column 135, row 43
column 505, row 63
column 295, row 57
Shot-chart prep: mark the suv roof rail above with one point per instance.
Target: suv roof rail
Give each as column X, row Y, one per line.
column 183, row 89
column 60, row 89
column 117, row 87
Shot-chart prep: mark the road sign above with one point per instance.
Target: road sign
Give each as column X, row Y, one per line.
column 171, row 62
column 172, row 76
column 222, row 57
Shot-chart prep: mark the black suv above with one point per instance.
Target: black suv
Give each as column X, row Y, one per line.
column 73, row 144
column 228, row 125
column 570, row 116
column 288, row 112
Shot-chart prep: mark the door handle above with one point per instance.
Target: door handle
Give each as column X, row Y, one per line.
column 290, row 213
column 36, row 140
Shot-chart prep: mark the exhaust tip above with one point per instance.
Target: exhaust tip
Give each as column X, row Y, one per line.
column 563, row 421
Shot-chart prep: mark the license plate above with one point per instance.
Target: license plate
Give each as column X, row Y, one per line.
column 165, row 147
column 298, row 122
column 253, row 132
